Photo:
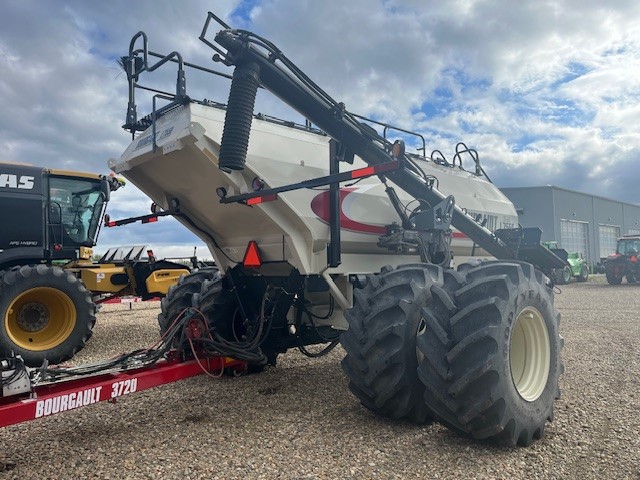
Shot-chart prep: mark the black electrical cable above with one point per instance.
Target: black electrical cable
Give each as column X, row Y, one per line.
column 128, row 360
column 303, row 309
column 419, row 169
column 321, row 353
column 248, row 351
column 416, row 210
column 323, row 317
column 207, row 234
column 19, row 371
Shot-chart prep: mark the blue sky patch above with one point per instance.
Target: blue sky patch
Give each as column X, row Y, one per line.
column 567, row 112
column 242, row 14
column 574, row 70
column 524, row 142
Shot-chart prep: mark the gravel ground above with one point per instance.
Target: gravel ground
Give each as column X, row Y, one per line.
column 298, row 421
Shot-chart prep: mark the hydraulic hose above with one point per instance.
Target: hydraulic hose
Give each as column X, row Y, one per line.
column 237, row 123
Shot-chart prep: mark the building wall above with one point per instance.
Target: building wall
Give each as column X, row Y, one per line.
column 631, row 214
column 608, row 214
column 535, row 207
column 549, row 207
column 576, row 207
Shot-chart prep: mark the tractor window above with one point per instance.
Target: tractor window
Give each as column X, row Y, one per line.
column 629, row 247
column 80, row 203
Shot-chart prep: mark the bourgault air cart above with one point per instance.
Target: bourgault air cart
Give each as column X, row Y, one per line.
column 312, row 251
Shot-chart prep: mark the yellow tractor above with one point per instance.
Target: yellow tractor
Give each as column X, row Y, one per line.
column 50, row 222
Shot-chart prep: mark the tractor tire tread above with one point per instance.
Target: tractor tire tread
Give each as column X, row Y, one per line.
column 180, row 296
column 20, row 278
column 612, row 278
column 467, row 377
column 381, row 359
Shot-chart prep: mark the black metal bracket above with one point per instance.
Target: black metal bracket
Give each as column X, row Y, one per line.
column 333, row 249
column 437, row 218
column 153, row 217
column 270, row 194
column 526, row 242
column 428, row 236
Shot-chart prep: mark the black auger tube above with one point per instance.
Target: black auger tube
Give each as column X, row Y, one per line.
column 323, row 114
column 237, row 123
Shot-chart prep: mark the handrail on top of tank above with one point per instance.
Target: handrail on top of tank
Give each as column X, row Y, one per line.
column 135, row 68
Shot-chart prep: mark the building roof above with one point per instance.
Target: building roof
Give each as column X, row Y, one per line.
column 554, row 187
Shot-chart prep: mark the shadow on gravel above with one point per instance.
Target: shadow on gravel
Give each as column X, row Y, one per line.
column 6, row 466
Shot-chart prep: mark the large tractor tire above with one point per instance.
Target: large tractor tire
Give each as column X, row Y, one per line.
column 584, row 274
column 180, row 296
column 382, row 360
column 563, row 276
column 220, row 306
column 613, row 273
column 45, row 313
column 492, row 352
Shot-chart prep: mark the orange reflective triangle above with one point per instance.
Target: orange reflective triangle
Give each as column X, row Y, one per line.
column 252, row 256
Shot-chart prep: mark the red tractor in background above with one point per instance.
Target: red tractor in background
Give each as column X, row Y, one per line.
column 624, row 263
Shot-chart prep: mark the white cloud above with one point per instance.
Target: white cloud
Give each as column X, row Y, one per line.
column 547, row 92
column 530, row 85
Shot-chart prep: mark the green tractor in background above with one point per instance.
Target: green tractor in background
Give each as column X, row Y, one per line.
column 576, row 265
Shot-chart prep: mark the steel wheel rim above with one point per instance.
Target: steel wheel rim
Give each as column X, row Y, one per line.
column 529, row 354
column 40, row 319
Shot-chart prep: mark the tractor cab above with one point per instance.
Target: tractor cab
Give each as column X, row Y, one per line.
column 49, row 214
column 75, row 207
column 628, row 246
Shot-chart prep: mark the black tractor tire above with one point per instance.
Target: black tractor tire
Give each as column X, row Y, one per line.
column 563, row 276
column 492, row 352
column 610, row 273
column 584, row 274
column 45, row 313
column 220, row 306
column 381, row 358
column 180, row 296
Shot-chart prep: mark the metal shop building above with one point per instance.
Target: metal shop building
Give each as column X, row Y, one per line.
column 578, row 221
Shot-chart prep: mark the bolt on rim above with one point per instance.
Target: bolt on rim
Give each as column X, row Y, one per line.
column 40, row 318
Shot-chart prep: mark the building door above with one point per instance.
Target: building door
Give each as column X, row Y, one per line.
column 574, row 237
column 608, row 238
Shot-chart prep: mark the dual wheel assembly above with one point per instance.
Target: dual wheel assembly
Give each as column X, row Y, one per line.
column 476, row 349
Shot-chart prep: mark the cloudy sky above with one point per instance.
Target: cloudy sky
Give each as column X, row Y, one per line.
column 547, row 91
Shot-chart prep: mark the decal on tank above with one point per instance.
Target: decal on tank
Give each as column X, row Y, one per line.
column 320, row 206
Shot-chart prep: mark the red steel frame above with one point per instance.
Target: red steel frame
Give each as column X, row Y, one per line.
column 50, row 399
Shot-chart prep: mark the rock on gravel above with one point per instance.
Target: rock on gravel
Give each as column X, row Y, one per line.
column 298, row 420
